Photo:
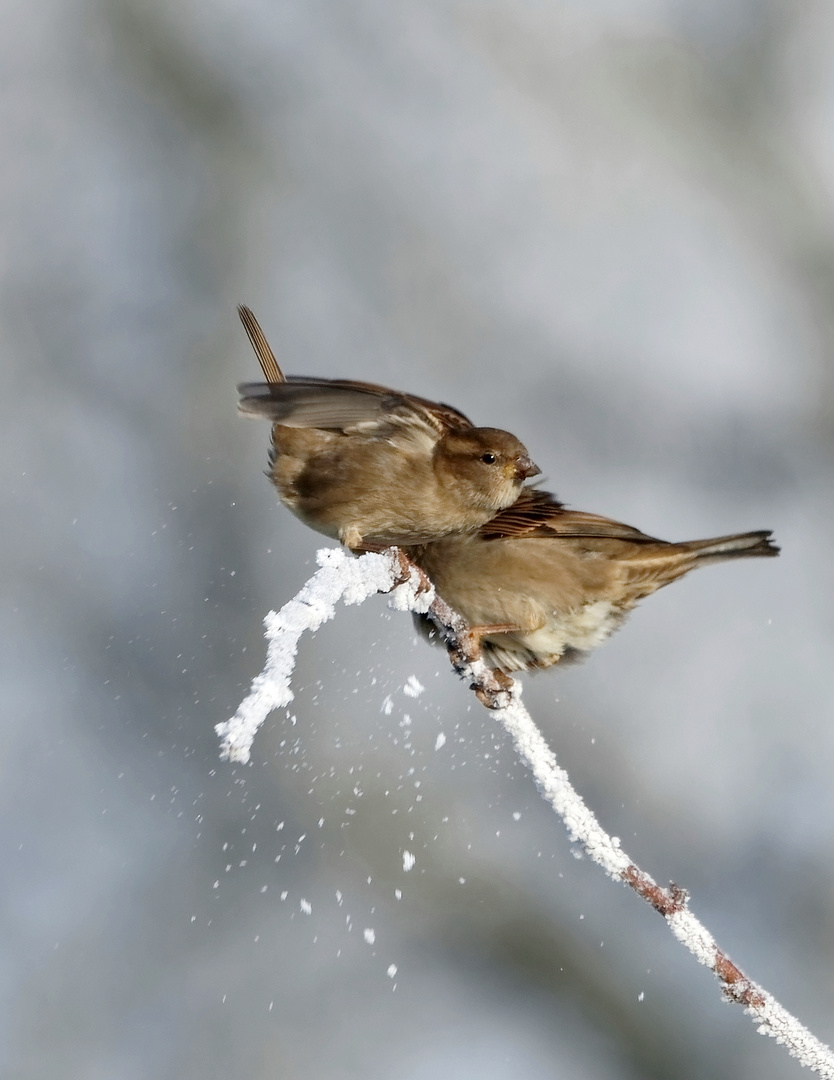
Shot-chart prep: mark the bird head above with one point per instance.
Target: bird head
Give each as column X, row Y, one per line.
column 487, row 465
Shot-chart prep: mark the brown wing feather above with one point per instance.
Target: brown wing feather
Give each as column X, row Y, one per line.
column 345, row 406
column 298, row 403
column 577, row 523
column 539, row 513
column 532, row 509
column 447, row 414
column 333, row 404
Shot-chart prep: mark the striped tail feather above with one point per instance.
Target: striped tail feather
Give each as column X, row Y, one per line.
column 266, row 357
column 738, row 546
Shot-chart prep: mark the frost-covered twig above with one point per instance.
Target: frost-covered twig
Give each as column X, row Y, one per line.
column 583, row 827
column 353, row 580
column 341, row 577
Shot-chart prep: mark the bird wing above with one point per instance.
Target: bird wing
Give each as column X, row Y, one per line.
column 539, row 513
column 577, row 523
column 346, row 405
column 531, row 510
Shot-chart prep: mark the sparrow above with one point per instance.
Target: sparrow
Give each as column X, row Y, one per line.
column 540, row 584
column 374, row 467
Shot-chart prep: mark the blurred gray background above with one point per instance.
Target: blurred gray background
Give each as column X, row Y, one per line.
column 607, row 226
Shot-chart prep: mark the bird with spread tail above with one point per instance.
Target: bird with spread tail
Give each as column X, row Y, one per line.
column 373, row 467
column 540, row 583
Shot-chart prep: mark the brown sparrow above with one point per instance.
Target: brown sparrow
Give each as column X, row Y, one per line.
column 374, row 467
column 540, row 583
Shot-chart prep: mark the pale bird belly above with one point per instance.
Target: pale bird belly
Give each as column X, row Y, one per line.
column 582, row 630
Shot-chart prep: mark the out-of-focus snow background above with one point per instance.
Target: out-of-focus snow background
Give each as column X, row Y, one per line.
column 606, row 226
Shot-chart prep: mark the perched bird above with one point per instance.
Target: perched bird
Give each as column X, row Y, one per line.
column 374, row 467
column 539, row 583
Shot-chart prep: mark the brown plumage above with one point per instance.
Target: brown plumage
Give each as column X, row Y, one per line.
column 562, row 580
column 374, row 467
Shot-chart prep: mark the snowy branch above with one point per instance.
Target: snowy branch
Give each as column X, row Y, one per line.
column 342, row 577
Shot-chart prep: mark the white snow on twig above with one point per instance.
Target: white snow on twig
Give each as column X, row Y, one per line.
column 583, row 827
column 342, row 577
column 555, row 786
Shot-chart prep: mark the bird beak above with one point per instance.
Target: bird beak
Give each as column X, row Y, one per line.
column 525, row 468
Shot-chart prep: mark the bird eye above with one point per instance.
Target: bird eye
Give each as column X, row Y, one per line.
column 488, row 458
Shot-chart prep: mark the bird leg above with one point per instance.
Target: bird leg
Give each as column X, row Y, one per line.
column 470, row 640
column 493, row 688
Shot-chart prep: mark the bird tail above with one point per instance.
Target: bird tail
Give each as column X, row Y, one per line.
column 265, row 355
column 739, row 546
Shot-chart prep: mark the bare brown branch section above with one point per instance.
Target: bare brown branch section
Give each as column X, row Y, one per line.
column 669, row 902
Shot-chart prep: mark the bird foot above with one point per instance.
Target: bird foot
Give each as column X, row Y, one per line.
column 494, row 696
column 406, row 568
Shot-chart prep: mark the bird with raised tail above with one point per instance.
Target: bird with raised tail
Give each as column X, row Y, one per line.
column 373, row 467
